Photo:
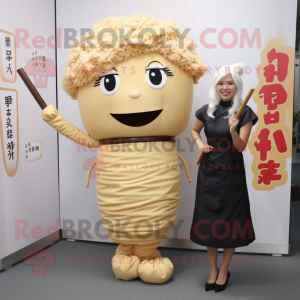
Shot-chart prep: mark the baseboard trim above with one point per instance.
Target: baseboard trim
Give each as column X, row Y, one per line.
column 260, row 248
column 20, row 254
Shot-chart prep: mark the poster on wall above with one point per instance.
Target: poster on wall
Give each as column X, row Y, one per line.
column 271, row 143
column 265, row 45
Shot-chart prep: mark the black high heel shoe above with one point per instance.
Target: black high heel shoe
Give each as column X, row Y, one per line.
column 221, row 287
column 211, row 286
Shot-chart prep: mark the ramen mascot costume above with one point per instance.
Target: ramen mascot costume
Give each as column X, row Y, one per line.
column 133, row 78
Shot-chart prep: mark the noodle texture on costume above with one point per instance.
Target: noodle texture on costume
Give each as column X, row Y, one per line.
column 133, row 78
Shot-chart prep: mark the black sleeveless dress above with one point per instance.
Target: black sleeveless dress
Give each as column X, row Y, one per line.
column 222, row 217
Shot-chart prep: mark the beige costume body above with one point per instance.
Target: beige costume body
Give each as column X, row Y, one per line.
column 138, row 195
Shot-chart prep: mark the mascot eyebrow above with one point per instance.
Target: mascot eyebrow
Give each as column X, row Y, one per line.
column 165, row 69
column 97, row 81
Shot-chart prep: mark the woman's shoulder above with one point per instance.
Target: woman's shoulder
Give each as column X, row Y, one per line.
column 247, row 110
column 201, row 113
column 247, row 107
column 203, row 108
column 248, row 115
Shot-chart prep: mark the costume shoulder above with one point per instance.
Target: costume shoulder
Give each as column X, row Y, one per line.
column 247, row 115
column 201, row 113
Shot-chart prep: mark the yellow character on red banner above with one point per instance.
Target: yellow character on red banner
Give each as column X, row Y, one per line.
column 133, row 78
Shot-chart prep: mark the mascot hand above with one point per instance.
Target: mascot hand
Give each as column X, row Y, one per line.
column 49, row 113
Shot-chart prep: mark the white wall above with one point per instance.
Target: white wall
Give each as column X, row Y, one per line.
column 32, row 194
column 270, row 210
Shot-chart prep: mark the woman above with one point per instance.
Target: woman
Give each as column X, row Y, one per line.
column 222, row 217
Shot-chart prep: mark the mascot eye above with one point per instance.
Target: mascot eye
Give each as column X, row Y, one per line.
column 109, row 83
column 156, row 77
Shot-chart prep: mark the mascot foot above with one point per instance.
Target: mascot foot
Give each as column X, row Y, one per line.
column 125, row 267
column 157, row 270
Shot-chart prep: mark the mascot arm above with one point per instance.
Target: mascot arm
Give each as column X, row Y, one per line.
column 51, row 115
column 186, row 168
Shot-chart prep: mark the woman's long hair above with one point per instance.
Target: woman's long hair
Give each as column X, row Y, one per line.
column 236, row 70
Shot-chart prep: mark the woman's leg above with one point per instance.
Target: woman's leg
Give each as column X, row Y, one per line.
column 212, row 255
column 227, row 255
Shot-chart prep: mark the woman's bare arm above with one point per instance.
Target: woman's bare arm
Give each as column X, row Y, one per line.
column 240, row 140
column 197, row 127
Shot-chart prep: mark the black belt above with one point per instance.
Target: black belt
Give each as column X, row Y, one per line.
column 137, row 139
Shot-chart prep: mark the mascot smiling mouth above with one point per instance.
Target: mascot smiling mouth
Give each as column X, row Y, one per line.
column 137, row 119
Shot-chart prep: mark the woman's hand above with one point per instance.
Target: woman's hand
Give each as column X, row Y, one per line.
column 233, row 124
column 206, row 148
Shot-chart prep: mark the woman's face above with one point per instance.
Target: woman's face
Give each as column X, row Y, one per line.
column 226, row 88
